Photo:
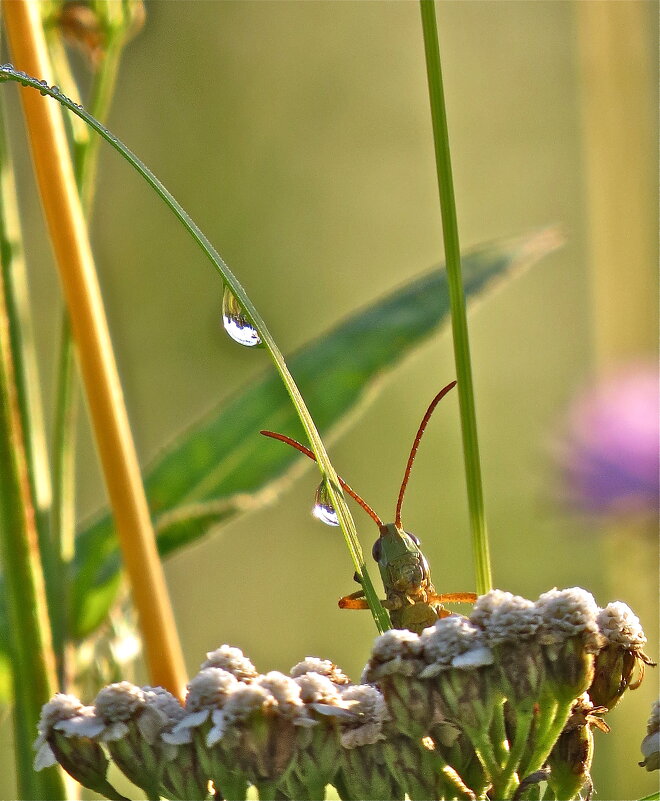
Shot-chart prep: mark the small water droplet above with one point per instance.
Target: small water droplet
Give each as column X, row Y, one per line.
column 323, row 508
column 55, row 88
column 236, row 324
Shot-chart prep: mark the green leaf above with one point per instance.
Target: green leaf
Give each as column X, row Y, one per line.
column 221, row 467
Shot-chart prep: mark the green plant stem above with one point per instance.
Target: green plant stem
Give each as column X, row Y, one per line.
column 547, row 735
column 33, row 662
column 457, row 300
column 22, row 343
column 508, row 781
column 498, row 734
column 24, row 479
column 327, row 470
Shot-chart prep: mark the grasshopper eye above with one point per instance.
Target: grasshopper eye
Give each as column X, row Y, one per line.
column 376, row 551
column 415, row 539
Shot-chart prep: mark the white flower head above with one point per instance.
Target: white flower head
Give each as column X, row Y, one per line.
column 233, row 661
column 650, row 746
column 397, row 651
column 312, row 664
column 620, row 626
column 448, row 643
column 286, row 692
column 209, row 689
column 317, row 689
column 569, row 613
column 506, row 618
column 368, row 716
column 653, row 723
column 67, row 715
column 245, row 701
column 396, row 643
column 119, row 702
column 162, row 711
column 60, row 707
column 319, row 694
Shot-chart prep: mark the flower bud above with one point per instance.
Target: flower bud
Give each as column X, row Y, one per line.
column 395, row 664
column 233, row 661
column 569, row 635
column 317, row 747
column 364, row 772
column 255, row 732
column 616, row 661
column 62, row 720
column 324, row 667
column 510, row 625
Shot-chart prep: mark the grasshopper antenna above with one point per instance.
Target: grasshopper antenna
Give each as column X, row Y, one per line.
column 344, row 485
column 415, row 446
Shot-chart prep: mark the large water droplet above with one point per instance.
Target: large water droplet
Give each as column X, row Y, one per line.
column 323, row 508
column 236, row 323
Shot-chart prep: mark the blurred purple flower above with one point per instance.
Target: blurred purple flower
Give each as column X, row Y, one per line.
column 610, row 450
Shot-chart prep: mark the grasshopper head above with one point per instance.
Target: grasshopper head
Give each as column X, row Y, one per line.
column 402, row 565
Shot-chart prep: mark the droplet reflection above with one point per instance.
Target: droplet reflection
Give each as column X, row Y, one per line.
column 323, row 508
column 236, row 324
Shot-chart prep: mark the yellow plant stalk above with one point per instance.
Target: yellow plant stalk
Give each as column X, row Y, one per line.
column 68, row 233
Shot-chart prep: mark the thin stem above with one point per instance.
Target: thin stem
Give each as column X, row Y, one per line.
column 22, row 343
column 86, row 153
column 24, row 479
column 508, row 781
column 457, row 300
column 33, row 662
column 547, row 737
column 327, row 470
column 98, row 367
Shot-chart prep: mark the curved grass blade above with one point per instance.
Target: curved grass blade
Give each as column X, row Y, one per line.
column 381, row 618
column 221, row 467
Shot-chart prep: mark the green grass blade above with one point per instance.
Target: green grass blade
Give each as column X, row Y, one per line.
column 458, row 317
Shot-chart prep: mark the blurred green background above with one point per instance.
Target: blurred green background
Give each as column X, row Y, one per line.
column 297, row 134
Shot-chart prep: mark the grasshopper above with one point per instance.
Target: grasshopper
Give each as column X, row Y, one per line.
column 411, row 598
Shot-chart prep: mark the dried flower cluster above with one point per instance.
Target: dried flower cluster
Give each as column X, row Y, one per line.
column 485, row 707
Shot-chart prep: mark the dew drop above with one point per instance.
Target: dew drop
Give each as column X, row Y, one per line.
column 323, row 508
column 236, row 324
